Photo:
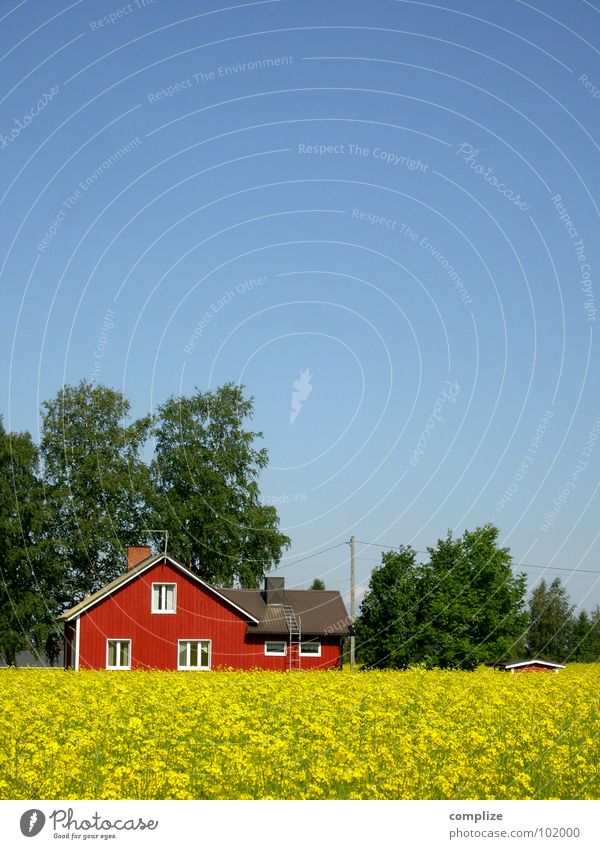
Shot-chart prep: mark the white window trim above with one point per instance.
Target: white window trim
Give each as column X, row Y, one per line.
column 310, row 653
column 118, row 640
column 276, row 653
column 77, row 641
column 195, row 668
column 164, row 584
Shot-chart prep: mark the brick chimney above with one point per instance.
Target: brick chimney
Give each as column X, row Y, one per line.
column 137, row 553
column 274, row 590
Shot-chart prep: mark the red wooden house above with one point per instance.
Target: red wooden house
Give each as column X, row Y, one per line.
column 159, row 615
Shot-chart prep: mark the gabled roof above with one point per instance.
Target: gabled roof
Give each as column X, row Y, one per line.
column 138, row 569
column 514, row 664
column 320, row 612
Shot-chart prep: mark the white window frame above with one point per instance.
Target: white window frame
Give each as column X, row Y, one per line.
column 118, row 640
column 194, row 668
column 164, row 584
column 310, row 653
column 276, row 653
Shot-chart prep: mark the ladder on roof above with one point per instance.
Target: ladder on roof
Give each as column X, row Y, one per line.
column 295, row 631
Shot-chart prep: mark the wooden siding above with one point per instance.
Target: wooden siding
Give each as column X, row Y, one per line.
column 200, row 615
column 533, row 667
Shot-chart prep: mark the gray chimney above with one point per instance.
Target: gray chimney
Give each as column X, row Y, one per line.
column 274, row 590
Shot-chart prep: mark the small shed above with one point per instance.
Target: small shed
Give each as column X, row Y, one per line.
column 531, row 665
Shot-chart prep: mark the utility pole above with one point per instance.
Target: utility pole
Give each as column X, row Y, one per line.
column 352, row 597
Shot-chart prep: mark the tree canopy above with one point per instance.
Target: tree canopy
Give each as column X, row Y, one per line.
column 204, row 487
column 585, row 637
column 386, row 629
column 461, row 608
column 29, row 575
column 201, row 485
column 551, row 621
column 95, row 483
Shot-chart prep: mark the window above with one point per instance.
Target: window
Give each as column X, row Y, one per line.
column 118, row 654
column 276, row 647
column 194, row 654
column 163, row 598
column 310, row 649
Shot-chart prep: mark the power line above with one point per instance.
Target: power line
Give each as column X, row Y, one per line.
column 309, row 556
column 522, row 565
column 557, row 568
column 420, row 551
column 389, row 547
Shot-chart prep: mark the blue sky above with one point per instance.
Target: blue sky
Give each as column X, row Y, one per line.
column 399, row 199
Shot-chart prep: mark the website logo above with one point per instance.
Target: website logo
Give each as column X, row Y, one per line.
column 301, row 390
column 32, row 822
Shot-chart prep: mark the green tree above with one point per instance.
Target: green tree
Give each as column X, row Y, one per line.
column 205, row 487
column 550, row 632
column 387, row 621
column 317, row 584
column 462, row 608
column 582, row 638
column 28, row 573
column 472, row 607
column 592, row 642
column 96, row 484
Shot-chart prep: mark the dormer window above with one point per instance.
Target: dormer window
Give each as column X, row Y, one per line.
column 163, row 598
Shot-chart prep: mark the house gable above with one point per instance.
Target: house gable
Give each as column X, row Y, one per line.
column 144, row 569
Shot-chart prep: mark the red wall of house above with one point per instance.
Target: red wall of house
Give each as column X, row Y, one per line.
column 521, row 670
column 200, row 614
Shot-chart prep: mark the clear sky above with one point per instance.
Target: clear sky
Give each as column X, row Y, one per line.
column 381, row 217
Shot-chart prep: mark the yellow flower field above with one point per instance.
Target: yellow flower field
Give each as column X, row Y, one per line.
column 317, row 735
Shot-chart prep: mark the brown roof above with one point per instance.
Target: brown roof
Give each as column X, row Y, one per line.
column 320, row 612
